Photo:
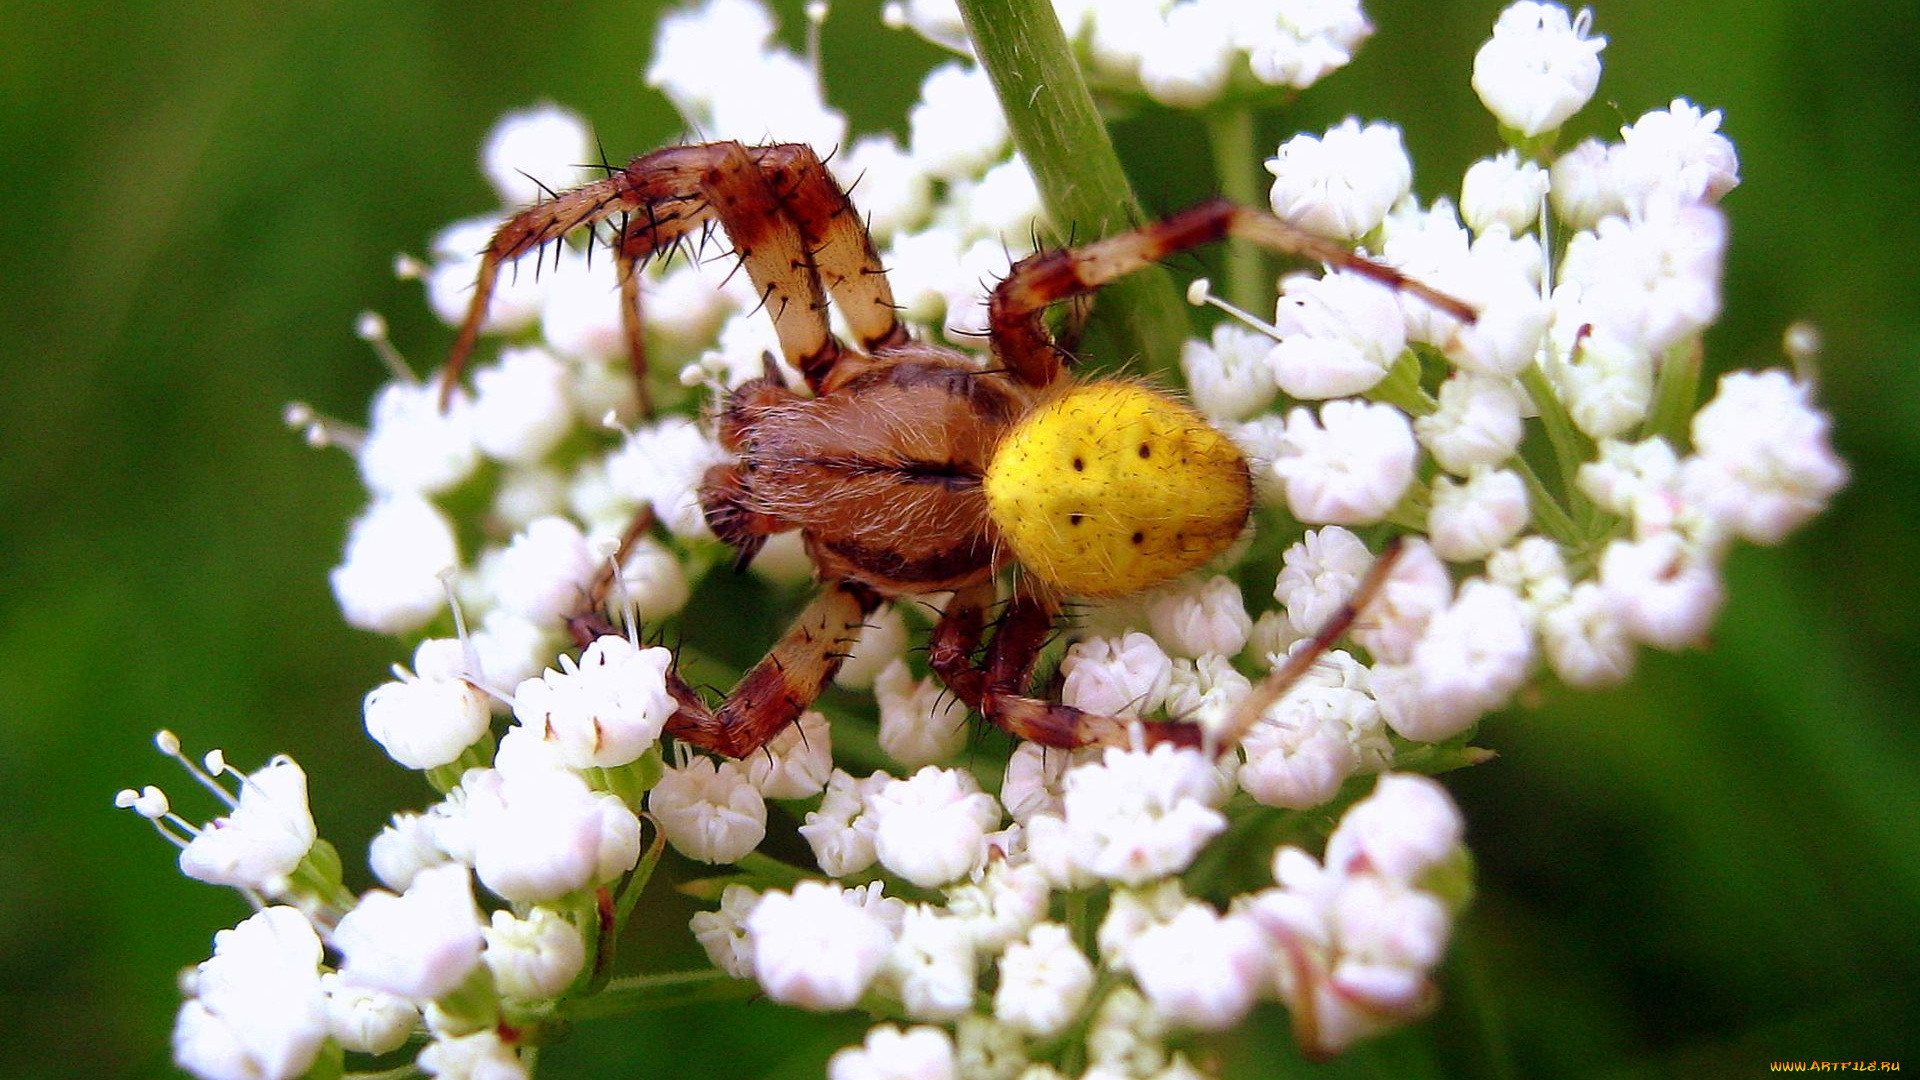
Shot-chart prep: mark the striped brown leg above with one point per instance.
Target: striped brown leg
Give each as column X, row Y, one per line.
column 780, row 687
column 1021, row 340
column 956, row 638
column 842, row 250
column 669, row 194
column 1281, row 679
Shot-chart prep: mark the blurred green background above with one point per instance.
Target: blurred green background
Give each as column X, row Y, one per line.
column 1716, row 867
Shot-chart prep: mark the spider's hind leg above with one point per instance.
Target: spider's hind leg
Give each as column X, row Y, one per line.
column 780, row 687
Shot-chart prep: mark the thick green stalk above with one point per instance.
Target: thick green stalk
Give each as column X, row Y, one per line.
column 1249, row 284
column 1057, row 129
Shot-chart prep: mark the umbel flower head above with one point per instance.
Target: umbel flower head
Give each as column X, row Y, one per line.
column 1551, row 497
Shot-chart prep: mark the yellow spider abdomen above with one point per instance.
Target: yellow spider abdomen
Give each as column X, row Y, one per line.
column 1113, row 487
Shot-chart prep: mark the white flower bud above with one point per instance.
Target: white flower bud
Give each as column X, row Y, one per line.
column 1032, row 782
column 1417, row 588
column 1002, row 905
column 534, row 958
column 920, row 723
column 957, row 129
column 919, row 1053
column 723, row 933
column 1196, row 618
column 1470, row 521
column 1585, row 645
column 931, row 828
column 425, row 723
column 531, row 153
column 1228, row 375
column 1651, row 283
column 1351, row 471
column 1470, row 659
column 1133, row 817
column 413, row 446
column 1764, row 463
column 1502, row 190
column 1189, row 64
column 389, row 581
column 1604, row 381
column 1044, row 981
column 520, row 408
column 1201, row 970
column 710, row 812
column 817, row 947
column 1122, row 678
column 1324, row 730
column 1206, row 691
column 932, row 964
column 604, row 712
column 1584, row 186
column 367, row 1021
column 263, row 840
column 544, row 572
column 1339, row 335
column 256, row 1009
column 1308, row 42
column 1663, row 591
column 421, row 944
column 1675, row 154
column 1341, row 185
column 540, row 832
column 482, row 1055
column 662, row 465
column 1406, row 827
column 402, row 849
column 1477, row 424
column 1318, row 575
column 841, row 831
column 797, row 761
column 1539, row 68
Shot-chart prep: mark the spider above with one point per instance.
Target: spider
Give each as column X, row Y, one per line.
column 906, row 467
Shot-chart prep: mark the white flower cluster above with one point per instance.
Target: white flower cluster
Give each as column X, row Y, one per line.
column 1184, row 53
column 1053, row 913
column 1349, row 947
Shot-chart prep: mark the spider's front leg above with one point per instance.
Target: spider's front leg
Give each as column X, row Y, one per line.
column 1021, row 340
column 792, row 226
column 781, row 686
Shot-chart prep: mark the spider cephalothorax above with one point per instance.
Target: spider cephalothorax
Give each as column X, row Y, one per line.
column 907, row 468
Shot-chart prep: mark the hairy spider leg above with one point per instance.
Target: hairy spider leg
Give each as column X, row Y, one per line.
column 998, row 689
column 789, row 220
column 1021, row 341
column 774, row 692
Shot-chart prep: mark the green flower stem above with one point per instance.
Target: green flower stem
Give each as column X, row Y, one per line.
column 1249, row 284
column 1546, row 509
column 1569, row 445
column 639, row 993
column 1674, row 392
column 770, row 873
column 1056, row 128
column 404, row 1072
